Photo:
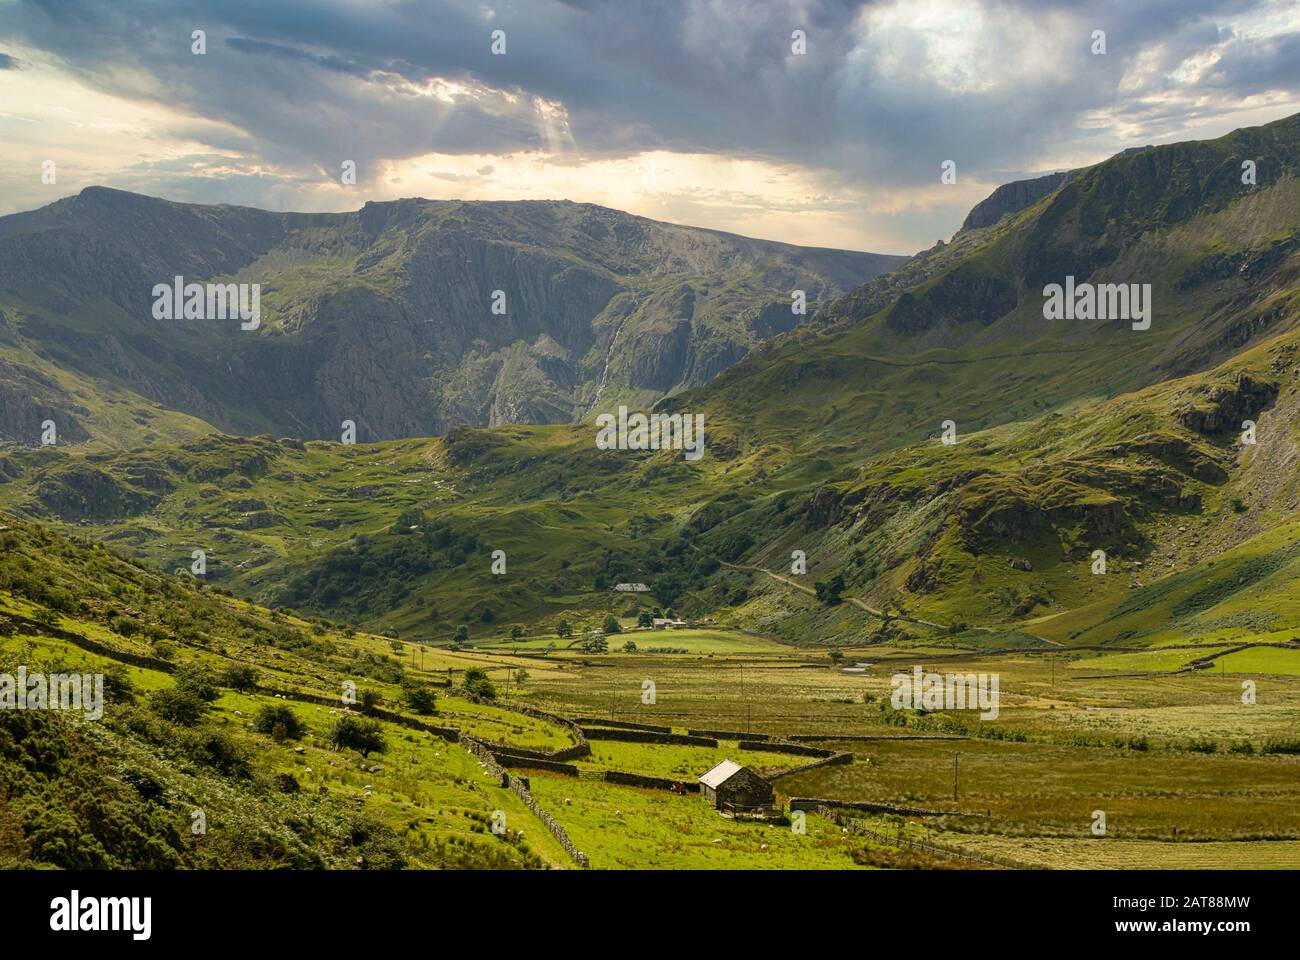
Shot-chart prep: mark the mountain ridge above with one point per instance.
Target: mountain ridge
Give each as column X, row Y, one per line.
column 383, row 315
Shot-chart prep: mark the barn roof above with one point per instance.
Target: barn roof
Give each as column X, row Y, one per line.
column 721, row 774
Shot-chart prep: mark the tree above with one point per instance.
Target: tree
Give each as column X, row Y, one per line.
column 564, row 629
column 420, row 698
column 828, row 591
column 364, row 736
column 240, row 677
column 644, row 619
column 368, row 700
column 836, row 655
column 118, row 687
column 487, row 616
column 611, row 624
column 595, row 642
column 461, row 635
column 629, row 647
column 516, row 632
column 279, row 722
column 197, row 681
column 521, row 676
column 178, row 705
column 476, row 682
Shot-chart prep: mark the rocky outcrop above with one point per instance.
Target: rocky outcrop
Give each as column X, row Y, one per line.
column 1224, row 406
column 1012, row 198
column 965, row 295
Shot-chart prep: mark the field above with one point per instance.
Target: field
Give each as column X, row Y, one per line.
column 679, row 641
column 1192, row 766
column 1184, row 771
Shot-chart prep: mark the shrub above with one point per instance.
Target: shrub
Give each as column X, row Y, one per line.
column 364, row 736
column 220, row 751
column 239, row 677
column 197, row 681
column 279, row 722
column 476, row 682
column 829, row 591
column 420, row 698
column 178, row 705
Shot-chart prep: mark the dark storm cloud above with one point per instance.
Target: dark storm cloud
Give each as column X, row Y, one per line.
column 315, row 83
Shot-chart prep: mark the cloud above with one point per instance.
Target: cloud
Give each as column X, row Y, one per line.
column 885, row 92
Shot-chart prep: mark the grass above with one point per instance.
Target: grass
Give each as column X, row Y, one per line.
column 679, row 641
column 636, row 829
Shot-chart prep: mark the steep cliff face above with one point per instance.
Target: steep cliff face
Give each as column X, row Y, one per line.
column 406, row 317
column 1012, row 198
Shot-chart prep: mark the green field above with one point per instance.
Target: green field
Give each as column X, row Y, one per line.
column 679, row 641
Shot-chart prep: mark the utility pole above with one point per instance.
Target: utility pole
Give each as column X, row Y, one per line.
column 955, row 755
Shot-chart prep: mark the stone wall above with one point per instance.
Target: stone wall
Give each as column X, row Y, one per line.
column 645, row 736
column 834, row 760
column 512, row 761
column 520, row 787
column 640, row 780
column 867, row 806
column 728, row 735
column 777, row 746
column 624, row 724
column 446, row 733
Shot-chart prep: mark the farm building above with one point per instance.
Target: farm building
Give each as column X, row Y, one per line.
column 731, row 788
column 663, row 623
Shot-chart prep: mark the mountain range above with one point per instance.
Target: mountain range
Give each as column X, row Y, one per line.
column 407, row 318
column 827, row 436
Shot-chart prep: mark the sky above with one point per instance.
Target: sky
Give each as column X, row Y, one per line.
column 813, row 122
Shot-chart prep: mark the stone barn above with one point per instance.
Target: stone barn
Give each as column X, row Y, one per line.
column 731, row 788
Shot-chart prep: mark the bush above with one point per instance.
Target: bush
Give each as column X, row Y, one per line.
column 279, row 722
column 196, row 681
column 239, row 677
column 476, row 682
column 220, row 751
column 611, row 624
column 829, row 591
column 178, row 705
column 420, row 698
column 364, row 736
column 118, row 687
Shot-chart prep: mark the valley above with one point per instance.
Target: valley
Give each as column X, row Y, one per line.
column 411, row 650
